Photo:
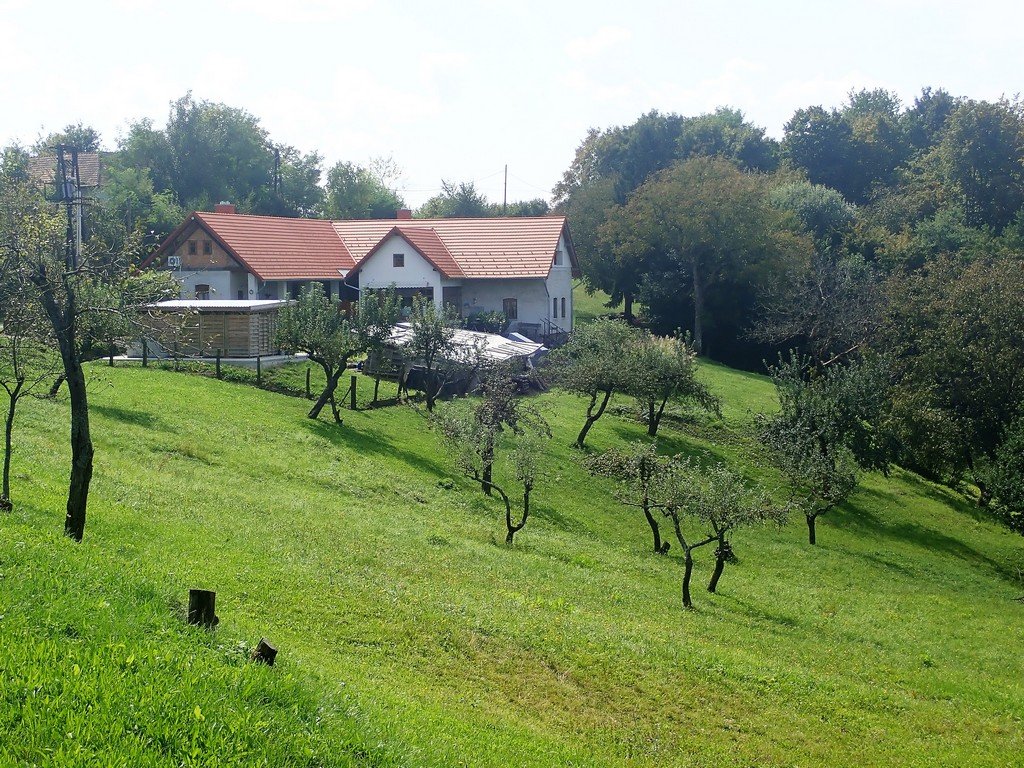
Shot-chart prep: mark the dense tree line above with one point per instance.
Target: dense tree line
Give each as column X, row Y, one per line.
column 872, row 234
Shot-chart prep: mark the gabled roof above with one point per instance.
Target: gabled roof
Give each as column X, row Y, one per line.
column 482, row 248
column 426, row 243
column 275, row 248
column 271, row 247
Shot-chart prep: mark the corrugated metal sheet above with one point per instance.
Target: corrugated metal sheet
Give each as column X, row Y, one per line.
column 491, row 345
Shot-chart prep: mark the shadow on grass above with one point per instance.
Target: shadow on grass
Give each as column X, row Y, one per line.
column 373, row 442
column 134, row 417
column 925, row 537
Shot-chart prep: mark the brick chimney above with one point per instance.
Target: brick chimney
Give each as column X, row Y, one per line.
column 404, row 214
column 224, row 207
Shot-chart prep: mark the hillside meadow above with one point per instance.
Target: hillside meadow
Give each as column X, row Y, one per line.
column 409, row 634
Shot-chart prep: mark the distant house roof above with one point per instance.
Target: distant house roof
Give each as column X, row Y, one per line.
column 221, row 305
column 274, row 248
column 42, row 169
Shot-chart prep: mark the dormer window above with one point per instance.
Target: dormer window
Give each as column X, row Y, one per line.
column 398, row 260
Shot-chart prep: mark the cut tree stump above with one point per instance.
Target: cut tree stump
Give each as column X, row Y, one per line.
column 201, row 605
column 265, row 652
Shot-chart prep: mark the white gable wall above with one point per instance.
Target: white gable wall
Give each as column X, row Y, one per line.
column 379, row 271
column 559, row 286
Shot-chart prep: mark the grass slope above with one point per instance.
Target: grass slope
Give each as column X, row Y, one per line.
column 410, row 635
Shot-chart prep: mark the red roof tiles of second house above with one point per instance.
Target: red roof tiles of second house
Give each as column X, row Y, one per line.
column 283, row 249
column 482, row 248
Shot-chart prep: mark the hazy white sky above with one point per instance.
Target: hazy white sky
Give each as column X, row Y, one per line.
column 457, row 90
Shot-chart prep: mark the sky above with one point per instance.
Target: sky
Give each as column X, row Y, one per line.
column 457, row 90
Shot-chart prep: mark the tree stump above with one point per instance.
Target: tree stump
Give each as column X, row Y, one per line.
column 201, row 604
column 264, row 652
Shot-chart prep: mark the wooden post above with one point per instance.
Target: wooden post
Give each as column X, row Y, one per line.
column 309, row 394
column 145, row 353
column 265, row 652
column 352, row 395
column 201, row 604
column 218, row 364
column 259, row 371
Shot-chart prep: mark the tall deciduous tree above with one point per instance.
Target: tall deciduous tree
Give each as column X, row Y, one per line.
column 355, row 192
column 714, row 228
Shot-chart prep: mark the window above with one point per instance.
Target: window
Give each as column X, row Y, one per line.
column 241, row 294
column 554, row 307
column 558, row 257
column 511, row 308
column 207, row 248
column 563, row 307
column 202, row 291
column 398, row 260
column 191, row 247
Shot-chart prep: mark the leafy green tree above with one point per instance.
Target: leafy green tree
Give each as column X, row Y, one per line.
column 355, row 192
column 432, row 346
column 75, row 293
column 1007, row 476
column 472, row 431
column 637, row 470
column 955, row 332
column 716, row 501
column 455, row 201
column 318, row 326
column 665, row 370
column 982, row 150
column 726, row 133
column 829, row 425
column 823, row 213
column 714, row 227
column 26, row 356
column 82, row 137
column 592, row 364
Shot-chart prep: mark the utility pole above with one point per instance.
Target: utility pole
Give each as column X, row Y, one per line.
column 504, row 197
column 69, row 192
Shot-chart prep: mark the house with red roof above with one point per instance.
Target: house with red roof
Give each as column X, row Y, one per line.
column 522, row 267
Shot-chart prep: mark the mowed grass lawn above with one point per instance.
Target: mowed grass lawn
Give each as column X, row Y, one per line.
column 409, row 634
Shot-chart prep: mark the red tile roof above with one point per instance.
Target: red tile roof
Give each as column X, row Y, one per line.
column 482, row 248
column 274, row 248
column 282, row 249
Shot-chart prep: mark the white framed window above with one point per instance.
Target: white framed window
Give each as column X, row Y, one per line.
column 398, row 260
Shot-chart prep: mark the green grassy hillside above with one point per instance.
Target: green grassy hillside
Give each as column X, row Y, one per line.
column 410, row 635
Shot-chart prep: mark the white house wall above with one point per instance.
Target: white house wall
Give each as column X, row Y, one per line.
column 379, row 270
column 219, row 280
column 559, row 285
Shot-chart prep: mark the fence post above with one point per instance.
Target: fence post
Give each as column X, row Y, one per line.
column 218, row 364
column 352, row 390
column 259, row 371
column 145, row 353
column 309, row 395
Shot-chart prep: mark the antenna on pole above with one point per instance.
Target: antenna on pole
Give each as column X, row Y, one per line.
column 69, row 192
column 504, row 196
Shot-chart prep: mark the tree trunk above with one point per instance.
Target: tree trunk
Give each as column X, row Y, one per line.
column 81, row 448
column 720, row 555
column 810, row 529
column 984, row 494
column 687, row 573
column 328, row 394
column 55, row 388
column 627, row 307
column 659, row 548
column 376, row 389
column 593, row 417
column 5, row 494
column 652, row 425
column 514, row 529
column 698, row 309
